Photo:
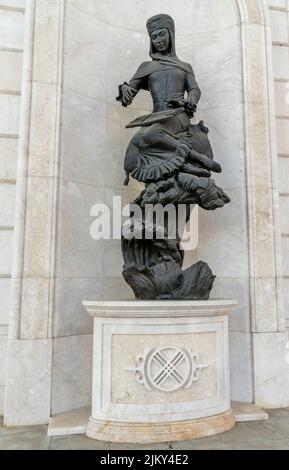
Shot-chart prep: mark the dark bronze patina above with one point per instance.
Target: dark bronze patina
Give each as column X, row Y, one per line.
column 174, row 159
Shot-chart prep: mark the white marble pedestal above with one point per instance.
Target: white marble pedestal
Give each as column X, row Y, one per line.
column 160, row 370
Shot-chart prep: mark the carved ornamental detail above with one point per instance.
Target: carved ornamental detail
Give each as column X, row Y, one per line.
column 167, row 369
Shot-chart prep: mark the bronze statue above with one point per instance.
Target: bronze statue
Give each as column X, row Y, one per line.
column 174, row 159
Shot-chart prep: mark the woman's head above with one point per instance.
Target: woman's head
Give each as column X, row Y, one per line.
column 161, row 29
column 161, row 40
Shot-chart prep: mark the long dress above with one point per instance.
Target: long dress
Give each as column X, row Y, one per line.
column 160, row 147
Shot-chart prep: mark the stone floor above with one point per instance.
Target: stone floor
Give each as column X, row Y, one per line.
column 267, row 435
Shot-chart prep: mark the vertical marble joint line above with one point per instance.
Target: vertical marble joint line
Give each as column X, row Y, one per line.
column 56, row 163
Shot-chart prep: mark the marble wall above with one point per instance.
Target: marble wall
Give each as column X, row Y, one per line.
column 102, row 39
column 72, row 145
column 30, row 343
column 231, row 59
column 11, row 51
column 223, row 234
column 279, row 14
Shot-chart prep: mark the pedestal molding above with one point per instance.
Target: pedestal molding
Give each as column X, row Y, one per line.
column 159, row 309
column 146, row 433
column 160, row 370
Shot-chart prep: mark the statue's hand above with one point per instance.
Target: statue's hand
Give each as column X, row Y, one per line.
column 192, row 103
column 126, row 95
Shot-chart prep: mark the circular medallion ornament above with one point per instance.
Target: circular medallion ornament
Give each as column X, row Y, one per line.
column 169, row 369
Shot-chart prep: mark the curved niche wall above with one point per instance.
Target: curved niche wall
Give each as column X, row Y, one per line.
column 104, row 42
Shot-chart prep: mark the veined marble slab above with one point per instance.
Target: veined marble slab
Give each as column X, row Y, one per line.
column 245, row 412
column 70, row 423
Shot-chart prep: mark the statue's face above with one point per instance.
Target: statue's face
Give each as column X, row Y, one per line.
column 161, row 40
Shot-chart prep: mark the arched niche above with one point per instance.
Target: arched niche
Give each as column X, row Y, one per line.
column 93, row 46
column 227, row 44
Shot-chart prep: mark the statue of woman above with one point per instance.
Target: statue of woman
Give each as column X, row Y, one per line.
column 162, row 144
column 175, row 160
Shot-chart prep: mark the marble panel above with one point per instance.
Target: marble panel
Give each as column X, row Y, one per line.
column 227, row 230
column 70, row 317
column 79, row 255
column 11, row 71
column 6, row 243
column 7, row 198
column 279, row 24
column 85, row 47
column 28, row 386
column 282, row 98
column 9, row 118
column 72, row 373
column 280, row 62
column 283, row 174
column 241, row 367
column 8, row 160
column 271, row 370
column 5, row 296
column 11, row 29
column 83, row 157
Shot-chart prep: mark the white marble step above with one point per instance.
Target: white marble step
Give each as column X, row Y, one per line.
column 74, row 422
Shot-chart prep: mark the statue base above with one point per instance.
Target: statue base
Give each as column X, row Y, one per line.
column 148, row 433
column 160, row 370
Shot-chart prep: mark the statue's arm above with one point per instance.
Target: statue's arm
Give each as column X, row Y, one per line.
column 128, row 91
column 193, row 89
